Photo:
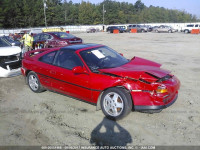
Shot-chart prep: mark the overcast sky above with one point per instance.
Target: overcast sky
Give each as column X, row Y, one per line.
column 191, row 6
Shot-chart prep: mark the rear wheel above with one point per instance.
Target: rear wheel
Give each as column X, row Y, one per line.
column 116, row 103
column 34, row 83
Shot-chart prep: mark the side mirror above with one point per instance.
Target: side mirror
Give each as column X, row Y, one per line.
column 79, row 70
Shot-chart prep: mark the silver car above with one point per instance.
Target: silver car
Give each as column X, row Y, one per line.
column 164, row 28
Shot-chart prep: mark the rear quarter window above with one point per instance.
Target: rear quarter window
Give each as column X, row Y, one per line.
column 48, row 58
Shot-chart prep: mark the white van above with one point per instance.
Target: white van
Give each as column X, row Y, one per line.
column 188, row 28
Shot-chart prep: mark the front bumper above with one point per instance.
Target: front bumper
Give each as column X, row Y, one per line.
column 9, row 72
column 155, row 107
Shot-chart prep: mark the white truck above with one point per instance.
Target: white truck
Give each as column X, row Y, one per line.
column 188, row 28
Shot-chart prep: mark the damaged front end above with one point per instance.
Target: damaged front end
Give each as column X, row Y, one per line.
column 150, row 86
column 10, row 65
column 156, row 93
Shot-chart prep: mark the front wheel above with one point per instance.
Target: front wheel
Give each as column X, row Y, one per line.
column 34, row 83
column 116, row 103
column 186, row 31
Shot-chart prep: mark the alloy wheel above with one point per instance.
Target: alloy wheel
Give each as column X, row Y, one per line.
column 33, row 82
column 113, row 104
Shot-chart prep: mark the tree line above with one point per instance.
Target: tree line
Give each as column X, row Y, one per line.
column 30, row 13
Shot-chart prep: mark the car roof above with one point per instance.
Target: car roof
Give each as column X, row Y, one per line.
column 81, row 46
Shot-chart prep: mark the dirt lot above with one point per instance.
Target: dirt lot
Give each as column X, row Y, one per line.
column 27, row 118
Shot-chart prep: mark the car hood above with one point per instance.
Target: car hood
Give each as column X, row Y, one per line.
column 10, row 50
column 139, row 68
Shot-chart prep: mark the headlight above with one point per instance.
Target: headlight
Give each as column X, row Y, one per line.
column 161, row 89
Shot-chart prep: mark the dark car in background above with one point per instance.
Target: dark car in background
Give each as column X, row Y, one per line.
column 54, row 39
column 121, row 29
column 149, row 28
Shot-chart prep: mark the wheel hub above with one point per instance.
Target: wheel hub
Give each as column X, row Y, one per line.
column 113, row 104
column 33, row 82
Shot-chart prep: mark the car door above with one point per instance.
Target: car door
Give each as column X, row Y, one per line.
column 44, row 68
column 67, row 82
column 165, row 29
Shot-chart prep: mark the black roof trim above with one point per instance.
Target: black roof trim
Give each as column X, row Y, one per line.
column 79, row 46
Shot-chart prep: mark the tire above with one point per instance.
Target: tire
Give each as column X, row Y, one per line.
column 142, row 31
column 116, row 103
column 170, row 31
column 156, row 31
column 186, row 31
column 34, row 83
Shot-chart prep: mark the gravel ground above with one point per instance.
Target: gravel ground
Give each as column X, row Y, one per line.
column 48, row 118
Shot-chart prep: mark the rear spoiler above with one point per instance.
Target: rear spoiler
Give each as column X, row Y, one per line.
column 39, row 51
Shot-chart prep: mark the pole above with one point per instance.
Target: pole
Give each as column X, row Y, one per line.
column 103, row 14
column 45, row 18
column 65, row 16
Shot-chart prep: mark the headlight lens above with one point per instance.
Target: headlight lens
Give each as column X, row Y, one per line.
column 162, row 89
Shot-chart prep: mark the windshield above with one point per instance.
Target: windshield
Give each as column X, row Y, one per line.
column 64, row 35
column 101, row 58
column 3, row 43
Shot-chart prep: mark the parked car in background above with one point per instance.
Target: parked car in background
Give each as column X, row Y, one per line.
column 123, row 28
column 108, row 28
column 140, row 28
column 149, row 28
column 54, row 39
column 99, row 75
column 11, row 41
column 10, row 59
column 164, row 28
column 188, row 28
column 18, row 35
column 91, row 30
column 112, row 28
column 154, row 27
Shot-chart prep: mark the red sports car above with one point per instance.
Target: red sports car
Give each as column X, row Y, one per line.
column 54, row 39
column 99, row 75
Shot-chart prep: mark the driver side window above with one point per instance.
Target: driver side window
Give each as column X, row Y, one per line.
column 67, row 59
